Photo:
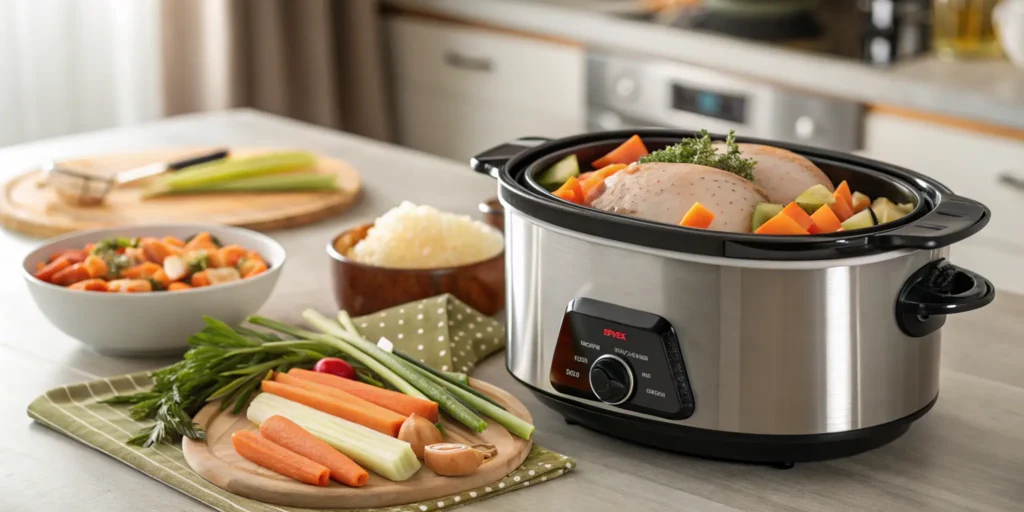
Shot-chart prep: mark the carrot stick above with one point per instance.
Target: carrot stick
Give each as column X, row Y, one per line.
column 71, row 275
column 352, row 408
column 697, row 217
column 50, row 269
column 392, row 400
column 288, row 435
column 627, row 153
column 264, row 453
column 73, row 255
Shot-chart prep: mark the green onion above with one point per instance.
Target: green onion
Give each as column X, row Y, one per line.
column 377, row 367
column 446, row 376
column 445, row 400
column 511, row 422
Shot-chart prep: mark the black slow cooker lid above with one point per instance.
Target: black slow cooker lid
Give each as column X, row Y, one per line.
column 939, row 219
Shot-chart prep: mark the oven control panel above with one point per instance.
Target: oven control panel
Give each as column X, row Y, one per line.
column 622, row 357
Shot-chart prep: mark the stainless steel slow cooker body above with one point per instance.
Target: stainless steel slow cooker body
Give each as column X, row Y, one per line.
column 778, row 349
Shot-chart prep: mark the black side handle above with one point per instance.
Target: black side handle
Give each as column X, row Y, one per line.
column 936, row 290
column 196, row 160
column 491, row 161
column 952, row 220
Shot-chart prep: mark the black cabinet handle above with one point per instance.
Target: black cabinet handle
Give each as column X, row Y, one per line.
column 936, row 290
column 469, row 63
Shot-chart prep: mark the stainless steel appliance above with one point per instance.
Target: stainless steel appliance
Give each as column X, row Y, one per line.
column 633, row 92
column 737, row 346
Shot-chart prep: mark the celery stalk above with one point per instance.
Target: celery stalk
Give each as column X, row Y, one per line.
column 380, row 453
column 284, row 182
column 236, row 168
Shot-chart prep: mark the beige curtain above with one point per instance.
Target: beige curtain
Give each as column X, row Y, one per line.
column 319, row 61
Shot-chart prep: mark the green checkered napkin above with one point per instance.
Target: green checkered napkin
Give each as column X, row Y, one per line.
column 441, row 331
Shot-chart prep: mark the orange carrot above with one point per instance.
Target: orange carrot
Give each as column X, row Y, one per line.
column 843, row 194
column 697, row 217
column 825, row 221
column 50, row 269
column 174, row 241
column 584, row 176
column 627, row 153
column 251, row 265
column 200, row 279
column 90, row 285
column 96, row 266
column 288, row 435
column 781, row 224
column 795, row 212
column 72, row 255
column 353, row 409
column 265, row 453
column 161, row 278
column 203, row 241
column 40, row 265
column 156, row 250
column 590, row 180
column 841, row 209
column 71, row 275
column 178, row 286
column 570, row 191
column 89, row 247
column 230, row 255
column 129, row 286
column 141, row 271
column 860, row 202
column 392, row 400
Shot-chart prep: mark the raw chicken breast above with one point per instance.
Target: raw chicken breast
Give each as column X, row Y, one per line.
column 664, row 192
column 782, row 174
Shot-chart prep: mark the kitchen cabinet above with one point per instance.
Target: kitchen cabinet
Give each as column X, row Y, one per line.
column 461, row 89
column 985, row 167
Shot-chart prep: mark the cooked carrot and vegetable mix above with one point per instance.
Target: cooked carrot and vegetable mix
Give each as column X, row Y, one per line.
column 148, row 264
column 720, row 186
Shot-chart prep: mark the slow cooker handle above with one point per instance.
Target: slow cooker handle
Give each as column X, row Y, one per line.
column 952, row 220
column 936, row 290
column 491, row 161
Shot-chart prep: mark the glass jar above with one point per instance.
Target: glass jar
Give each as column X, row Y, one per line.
column 963, row 29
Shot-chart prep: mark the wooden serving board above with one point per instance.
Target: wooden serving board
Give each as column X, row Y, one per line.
column 29, row 206
column 216, row 461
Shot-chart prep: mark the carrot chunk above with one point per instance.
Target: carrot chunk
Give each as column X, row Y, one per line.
column 200, row 279
column 90, row 285
column 129, row 286
column 570, row 191
column 781, row 224
column 627, row 153
column 841, row 209
column 228, row 256
column 157, row 250
column 795, row 212
column 697, row 217
column 203, row 241
column 71, row 275
column 591, row 180
column 290, row 436
column 392, row 400
column 141, row 271
column 96, row 266
column 50, row 269
column 825, row 221
column 352, row 408
column 174, row 241
column 178, row 286
column 280, row 460
column 843, row 194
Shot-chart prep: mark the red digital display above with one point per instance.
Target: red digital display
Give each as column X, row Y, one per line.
column 611, row 333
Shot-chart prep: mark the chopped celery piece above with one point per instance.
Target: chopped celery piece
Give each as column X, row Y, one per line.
column 283, row 182
column 380, row 453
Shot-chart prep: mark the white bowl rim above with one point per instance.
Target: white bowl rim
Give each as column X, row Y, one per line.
column 243, row 232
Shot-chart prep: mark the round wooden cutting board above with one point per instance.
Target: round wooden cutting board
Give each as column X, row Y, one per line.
column 29, row 206
column 216, row 461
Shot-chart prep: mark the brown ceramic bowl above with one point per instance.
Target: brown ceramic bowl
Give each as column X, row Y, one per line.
column 363, row 289
column 493, row 212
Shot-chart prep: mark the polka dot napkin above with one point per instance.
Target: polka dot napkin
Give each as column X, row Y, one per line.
column 441, row 331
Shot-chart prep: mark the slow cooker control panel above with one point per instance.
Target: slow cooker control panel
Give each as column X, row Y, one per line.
column 623, row 357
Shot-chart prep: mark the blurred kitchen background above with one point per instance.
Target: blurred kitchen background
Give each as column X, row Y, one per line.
column 928, row 84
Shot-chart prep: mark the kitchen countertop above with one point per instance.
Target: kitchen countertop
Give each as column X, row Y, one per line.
column 985, row 91
column 966, row 454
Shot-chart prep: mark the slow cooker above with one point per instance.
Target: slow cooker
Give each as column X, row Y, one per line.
column 775, row 349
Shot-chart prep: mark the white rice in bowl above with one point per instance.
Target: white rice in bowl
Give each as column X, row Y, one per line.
column 411, row 236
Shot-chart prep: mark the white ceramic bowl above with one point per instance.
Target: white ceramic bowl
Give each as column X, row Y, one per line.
column 148, row 324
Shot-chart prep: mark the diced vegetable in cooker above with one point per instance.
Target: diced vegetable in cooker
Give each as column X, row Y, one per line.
column 720, row 186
